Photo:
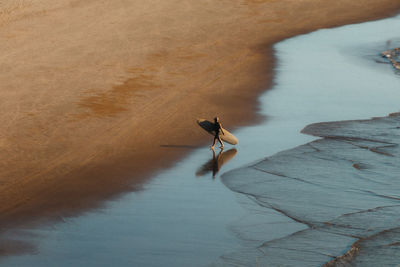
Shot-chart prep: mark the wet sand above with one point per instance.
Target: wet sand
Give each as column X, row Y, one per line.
column 343, row 190
column 97, row 94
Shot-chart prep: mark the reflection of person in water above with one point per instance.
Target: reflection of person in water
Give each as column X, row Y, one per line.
column 215, row 163
column 218, row 130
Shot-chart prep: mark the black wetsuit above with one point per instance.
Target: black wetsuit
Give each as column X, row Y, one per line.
column 217, row 127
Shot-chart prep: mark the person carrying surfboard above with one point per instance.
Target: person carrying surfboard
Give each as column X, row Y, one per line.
column 218, row 130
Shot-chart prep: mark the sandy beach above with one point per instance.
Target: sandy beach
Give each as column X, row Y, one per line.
column 97, row 95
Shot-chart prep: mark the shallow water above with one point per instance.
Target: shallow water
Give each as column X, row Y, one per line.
column 183, row 219
column 343, row 188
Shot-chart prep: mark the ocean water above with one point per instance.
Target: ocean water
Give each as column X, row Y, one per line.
column 344, row 190
column 186, row 217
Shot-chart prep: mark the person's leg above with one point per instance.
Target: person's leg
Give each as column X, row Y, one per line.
column 215, row 140
column 220, row 141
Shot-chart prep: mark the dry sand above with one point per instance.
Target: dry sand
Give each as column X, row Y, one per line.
column 97, row 94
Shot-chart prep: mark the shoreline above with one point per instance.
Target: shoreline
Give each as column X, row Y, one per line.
column 70, row 194
column 343, row 169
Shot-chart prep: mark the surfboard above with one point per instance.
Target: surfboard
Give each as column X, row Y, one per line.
column 208, row 126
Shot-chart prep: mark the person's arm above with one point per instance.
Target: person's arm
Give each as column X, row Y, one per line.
column 220, row 127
